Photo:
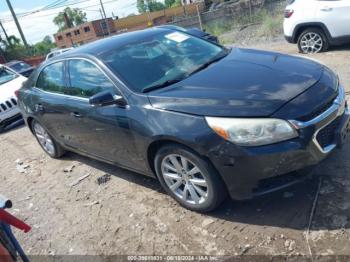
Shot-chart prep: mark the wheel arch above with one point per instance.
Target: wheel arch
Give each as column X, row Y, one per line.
column 29, row 121
column 301, row 27
column 161, row 142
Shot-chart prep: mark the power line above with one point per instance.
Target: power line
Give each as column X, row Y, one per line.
column 46, row 8
column 25, row 14
column 17, row 24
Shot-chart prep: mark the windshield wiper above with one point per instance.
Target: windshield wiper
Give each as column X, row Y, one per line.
column 176, row 80
column 164, row 84
column 205, row 65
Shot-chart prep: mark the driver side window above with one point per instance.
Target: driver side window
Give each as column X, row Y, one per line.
column 86, row 80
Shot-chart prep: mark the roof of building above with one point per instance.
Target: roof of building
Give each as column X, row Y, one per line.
column 87, row 23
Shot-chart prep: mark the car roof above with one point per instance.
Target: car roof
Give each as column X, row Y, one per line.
column 99, row 47
column 13, row 62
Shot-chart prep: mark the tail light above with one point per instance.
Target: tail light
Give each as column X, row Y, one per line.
column 288, row 13
column 17, row 93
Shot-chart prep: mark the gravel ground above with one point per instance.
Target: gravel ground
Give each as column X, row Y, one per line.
column 130, row 214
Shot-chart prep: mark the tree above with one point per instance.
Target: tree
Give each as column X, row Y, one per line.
column 144, row 6
column 155, row 6
column 172, row 3
column 13, row 48
column 44, row 47
column 75, row 15
column 141, row 6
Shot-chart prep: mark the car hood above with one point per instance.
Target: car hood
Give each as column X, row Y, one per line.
column 246, row 83
column 7, row 90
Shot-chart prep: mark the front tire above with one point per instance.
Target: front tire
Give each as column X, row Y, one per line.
column 189, row 179
column 312, row 40
column 46, row 141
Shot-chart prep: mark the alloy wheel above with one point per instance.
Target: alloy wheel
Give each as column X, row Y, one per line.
column 184, row 179
column 311, row 43
column 44, row 139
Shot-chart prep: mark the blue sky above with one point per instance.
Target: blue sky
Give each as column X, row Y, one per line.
column 36, row 26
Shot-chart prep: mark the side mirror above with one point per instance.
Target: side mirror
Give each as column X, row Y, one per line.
column 106, row 98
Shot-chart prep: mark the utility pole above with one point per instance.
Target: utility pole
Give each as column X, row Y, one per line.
column 5, row 33
column 104, row 13
column 103, row 30
column 199, row 17
column 17, row 24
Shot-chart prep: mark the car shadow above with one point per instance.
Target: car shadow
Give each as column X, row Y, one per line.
column 125, row 174
column 14, row 126
column 345, row 47
column 288, row 208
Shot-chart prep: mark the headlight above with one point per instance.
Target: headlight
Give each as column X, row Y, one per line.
column 252, row 131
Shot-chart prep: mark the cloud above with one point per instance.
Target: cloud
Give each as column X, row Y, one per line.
column 36, row 26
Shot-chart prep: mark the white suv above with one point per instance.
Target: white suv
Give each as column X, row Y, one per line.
column 316, row 24
column 10, row 82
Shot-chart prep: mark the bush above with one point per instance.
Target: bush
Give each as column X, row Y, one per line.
column 271, row 26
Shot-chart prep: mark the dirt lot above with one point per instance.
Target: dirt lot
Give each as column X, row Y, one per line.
column 130, row 214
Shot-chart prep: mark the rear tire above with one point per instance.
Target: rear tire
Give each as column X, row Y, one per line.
column 189, row 179
column 46, row 141
column 313, row 40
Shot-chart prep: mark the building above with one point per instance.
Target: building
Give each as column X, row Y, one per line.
column 142, row 21
column 85, row 33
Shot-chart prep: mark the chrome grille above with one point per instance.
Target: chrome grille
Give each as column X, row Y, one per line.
column 8, row 104
column 324, row 137
column 317, row 112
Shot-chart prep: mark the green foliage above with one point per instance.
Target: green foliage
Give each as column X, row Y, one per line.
column 218, row 28
column 141, row 6
column 75, row 15
column 44, row 47
column 271, row 26
column 172, row 3
column 144, row 6
column 13, row 49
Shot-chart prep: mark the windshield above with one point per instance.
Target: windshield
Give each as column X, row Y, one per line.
column 6, row 75
column 161, row 59
column 20, row 66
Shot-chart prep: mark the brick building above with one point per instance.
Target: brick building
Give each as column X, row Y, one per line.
column 85, row 33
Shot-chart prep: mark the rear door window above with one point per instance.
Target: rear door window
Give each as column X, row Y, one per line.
column 51, row 78
column 86, row 79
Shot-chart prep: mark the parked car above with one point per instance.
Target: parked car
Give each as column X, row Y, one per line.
column 57, row 52
column 316, row 25
column 202, row 119
column 21, row 67
column 10, row 81
column 193, row 31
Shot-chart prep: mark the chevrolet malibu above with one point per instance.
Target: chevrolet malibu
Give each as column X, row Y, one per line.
column 204, row 120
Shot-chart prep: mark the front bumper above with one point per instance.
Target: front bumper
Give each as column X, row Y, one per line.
column 245, row 169
column 289, row 39
column 9, row 115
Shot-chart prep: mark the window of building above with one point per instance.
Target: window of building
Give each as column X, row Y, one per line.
column 87, row 80
column 51, row 78
column 69, row 34
column 59, row 38
column 77, row 32
column 104, row 25
column 87, row 29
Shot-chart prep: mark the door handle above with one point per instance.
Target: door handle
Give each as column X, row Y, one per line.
column 76, row 114
column 39, row 108
column 327, row 9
